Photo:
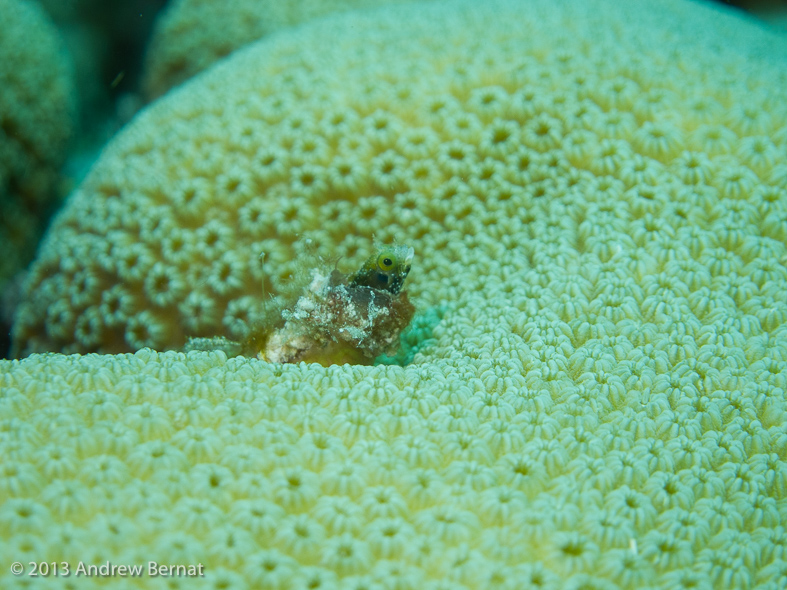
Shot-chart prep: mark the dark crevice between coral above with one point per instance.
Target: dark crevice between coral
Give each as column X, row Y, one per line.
column 5, row 341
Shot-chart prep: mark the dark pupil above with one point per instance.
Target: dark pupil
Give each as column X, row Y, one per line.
column 387, row 261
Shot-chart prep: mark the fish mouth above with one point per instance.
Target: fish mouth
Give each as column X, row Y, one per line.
column 396, row 284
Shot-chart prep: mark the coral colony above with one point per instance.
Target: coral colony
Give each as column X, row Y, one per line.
column 595, row 195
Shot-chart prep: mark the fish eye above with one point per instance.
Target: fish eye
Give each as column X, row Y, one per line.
column 385, row 262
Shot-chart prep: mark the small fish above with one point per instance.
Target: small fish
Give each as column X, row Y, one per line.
column 386, row 269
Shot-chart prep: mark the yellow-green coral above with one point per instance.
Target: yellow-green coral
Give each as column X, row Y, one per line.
column 192, row 35
column 477, row 471
column 37, row 109
column 570, row 150
column 596, row 193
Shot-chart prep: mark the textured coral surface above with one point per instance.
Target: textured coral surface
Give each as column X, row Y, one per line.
column 597, row 203
column 191, row 35
column 489, row 145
